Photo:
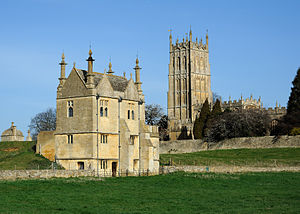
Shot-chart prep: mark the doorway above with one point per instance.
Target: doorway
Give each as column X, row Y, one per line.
column 114, row 169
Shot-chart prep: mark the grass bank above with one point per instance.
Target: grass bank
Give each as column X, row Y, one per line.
column 239, row 157
column 21, row 155
column 172, row 193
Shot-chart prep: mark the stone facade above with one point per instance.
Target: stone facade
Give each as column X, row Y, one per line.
column 100, row 123
column 189, row 83
column 12, row 134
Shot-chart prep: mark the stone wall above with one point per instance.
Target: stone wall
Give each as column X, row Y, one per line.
column 46, row 144
column 227, row 169
column 25, row 174
column 187, row 146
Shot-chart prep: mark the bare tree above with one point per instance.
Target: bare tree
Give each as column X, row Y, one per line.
column 153, row 114
column 216, row 97
column 44, row 121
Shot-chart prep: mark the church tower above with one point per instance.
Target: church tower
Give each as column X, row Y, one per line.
column 189, row 84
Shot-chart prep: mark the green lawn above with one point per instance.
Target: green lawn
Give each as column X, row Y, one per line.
column 21, row 155
column 239, row 157
column 172, row 193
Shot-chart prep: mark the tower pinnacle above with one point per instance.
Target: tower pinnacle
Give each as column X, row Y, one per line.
column 90, row 74
column 190, row 33
column 62, row 64
column 138, row 82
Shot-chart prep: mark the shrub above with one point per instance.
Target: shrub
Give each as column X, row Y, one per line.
column 295, row 131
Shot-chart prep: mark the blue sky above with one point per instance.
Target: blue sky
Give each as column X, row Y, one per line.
column 254, row 47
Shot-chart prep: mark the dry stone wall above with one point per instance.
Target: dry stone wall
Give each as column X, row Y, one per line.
column 227, row 169
column 25, row 174
column 187, row 146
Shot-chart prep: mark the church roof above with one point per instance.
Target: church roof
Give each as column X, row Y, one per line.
column 118, row 83
column 10, row 131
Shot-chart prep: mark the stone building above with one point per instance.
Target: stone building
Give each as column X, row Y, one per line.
column 12, row 134
column 189, row 84
column 100, row 123
column 250, row 103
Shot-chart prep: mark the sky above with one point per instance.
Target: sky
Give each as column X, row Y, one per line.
column 253, row 47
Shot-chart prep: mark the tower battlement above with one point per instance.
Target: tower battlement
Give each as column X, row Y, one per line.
column 189, row 43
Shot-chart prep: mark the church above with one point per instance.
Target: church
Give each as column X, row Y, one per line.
column 189, row 83
column 100, row 123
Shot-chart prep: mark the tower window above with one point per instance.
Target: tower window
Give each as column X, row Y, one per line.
column 106, row 112
column 70, row 112
column 70, row 139
column 104, row 139
column 128, row 116
column 101, row 111
column 70, row 108
column 132, row 114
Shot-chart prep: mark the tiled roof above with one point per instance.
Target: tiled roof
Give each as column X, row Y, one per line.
column 118, row 83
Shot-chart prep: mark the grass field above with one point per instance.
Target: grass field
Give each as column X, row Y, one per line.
column 172, row 193
column 21, row 155
column 238, row 157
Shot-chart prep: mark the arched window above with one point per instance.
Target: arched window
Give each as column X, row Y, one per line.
column 128, row 115
column 132, row 114
column 174, row 63
column 106, row 112
column 101, row 111
column 70, row 112
column 178, row 63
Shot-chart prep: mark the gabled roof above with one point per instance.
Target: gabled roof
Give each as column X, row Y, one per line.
column 118, row 83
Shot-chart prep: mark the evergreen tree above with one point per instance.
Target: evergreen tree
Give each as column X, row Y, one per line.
column 216, row 108
column 292, row 118
column 200, row 122
column 294, row 99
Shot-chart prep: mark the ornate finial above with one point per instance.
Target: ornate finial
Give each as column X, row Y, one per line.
column 28, row 131
column 276, row 104
column 197, row 40
column 170, row 30
column 90, row 52
column 251, row 97
column 177, row 41
column 124, row 74
column 74, row 64
column 63, row 56
column 187, row 39
column 241, row 96
column 109, row 68
column 201, row 41
column 131, row 76
column 137, row 61
column 12, row 123
column 190, row 32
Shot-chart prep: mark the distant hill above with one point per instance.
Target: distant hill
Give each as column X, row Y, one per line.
column 21, row 155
